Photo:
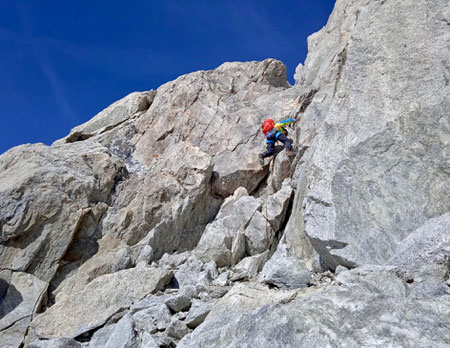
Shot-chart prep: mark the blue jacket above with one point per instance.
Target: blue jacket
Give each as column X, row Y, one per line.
column 277, row 130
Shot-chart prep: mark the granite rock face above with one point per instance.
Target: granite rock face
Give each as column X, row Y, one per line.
column 46, row 195
column 153, row 224
column 350, row 315
column 377, row 165
column 98, row 301
column 21, row 294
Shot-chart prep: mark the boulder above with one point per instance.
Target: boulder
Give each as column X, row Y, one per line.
column 426, row 251
column 198, row 312
column 217, row 240
column 64, row 342
column 194, row 146
column 424, row 258
column 188, row 272
column 349, row 315
column 98, row 301
column 260, row 233
column 285, row 271
column 119, row 335
column 250, row 266
column 151, row 316
column 46, row 193
column 239, row 302
column 102, row 263
column 177, row 329
column 20, row 297
column 101, row 336
column 178, row 303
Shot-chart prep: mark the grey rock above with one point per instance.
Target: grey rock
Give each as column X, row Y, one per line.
column 222, row 279
column 123, row 335
column 285, row 271
column 245, row 299
column 216, row 242
column 172, row 170
column 238, row 248
column 227, row 206
column 99, row 300
column 198, row 312
column 64, row 342
column 149, row 301
column 151, row 316
column 375, row 280
column 178, row 303
column 196, row 138
column 46, row 197
column 104, row 262
column 173, row 260
column 20, row 295
column 211, row 269
column 425, row 253
column 189, row 291
column 316, row 318
column 147, row 341
column 277, row 205
column 13, row 336
column 113, row 116
column 281, row 171
column 250, row 266
column 340, row 269
column 188, row 273
column 146, row 254
column 162, row 340
column 212, row 292
column 376, row 159
column 259, row 234
column 101, row 336
column 177, row 329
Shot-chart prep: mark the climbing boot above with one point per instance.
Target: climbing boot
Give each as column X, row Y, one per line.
column 290, row 153
column 261, row 159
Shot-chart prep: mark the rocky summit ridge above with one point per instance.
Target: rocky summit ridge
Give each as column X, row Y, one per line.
column 154, row 225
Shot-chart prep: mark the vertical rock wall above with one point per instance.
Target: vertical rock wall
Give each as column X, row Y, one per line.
column 377, row 128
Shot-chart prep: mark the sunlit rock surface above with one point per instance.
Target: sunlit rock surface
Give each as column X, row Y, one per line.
column 154, row 225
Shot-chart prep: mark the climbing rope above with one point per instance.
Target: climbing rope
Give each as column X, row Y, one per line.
column 267, row 197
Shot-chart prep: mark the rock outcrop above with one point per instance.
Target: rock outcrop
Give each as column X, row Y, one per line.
column 154, row 225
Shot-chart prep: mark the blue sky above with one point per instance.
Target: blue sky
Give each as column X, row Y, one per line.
column 61, row 62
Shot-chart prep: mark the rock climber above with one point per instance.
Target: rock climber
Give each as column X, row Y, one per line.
column 275, row 132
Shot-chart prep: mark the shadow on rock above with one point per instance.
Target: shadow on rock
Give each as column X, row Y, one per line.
column 10, row 298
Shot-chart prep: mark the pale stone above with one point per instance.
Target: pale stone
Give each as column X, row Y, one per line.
column 252, row 265
column 178, row 303
column 284, row 270
column 113, row 116
column 216, row 242
column 100, row 299
column 64, row 342
column 177, row 329
column 45, row 195
column 256, row 317
column 376, row 167
column 20, row 297
column 198, row 312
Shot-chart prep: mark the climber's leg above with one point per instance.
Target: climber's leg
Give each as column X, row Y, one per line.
column 270, row 151
column 285, row 140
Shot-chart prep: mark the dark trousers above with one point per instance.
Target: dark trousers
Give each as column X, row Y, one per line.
column 271, row 149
